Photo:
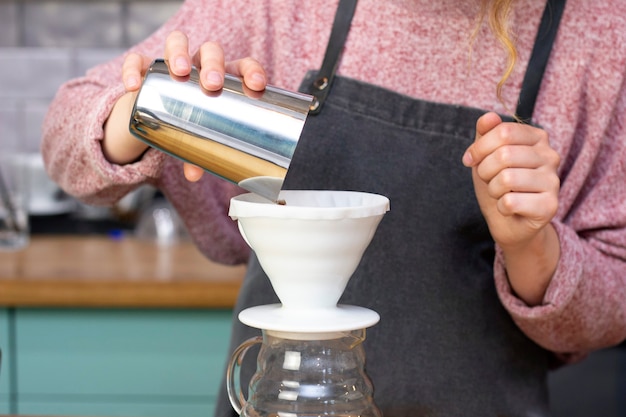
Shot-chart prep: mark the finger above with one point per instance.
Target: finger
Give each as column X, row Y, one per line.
column 486, row 122
column 133, row 68
column 521, row 180
column 502, row 135
column 538, row 208
column 210, row 60
column 483, row 125
column 252, row 72
column 192, row 172
column 177, row 54
column 512, row 156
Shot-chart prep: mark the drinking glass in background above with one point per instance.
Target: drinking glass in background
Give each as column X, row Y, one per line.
column 14, row 224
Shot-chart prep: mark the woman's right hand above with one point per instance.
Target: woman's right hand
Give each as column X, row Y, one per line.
column 119, row 145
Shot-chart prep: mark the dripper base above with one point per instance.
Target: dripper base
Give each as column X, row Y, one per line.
column 334, row 319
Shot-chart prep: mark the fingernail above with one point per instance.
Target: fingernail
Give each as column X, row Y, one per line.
column 132, row 82
column 181, row 64
column 214, row 78
column 259, row 78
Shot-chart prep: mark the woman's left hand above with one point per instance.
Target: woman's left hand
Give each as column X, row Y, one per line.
column 516, row 183
column 515, row 178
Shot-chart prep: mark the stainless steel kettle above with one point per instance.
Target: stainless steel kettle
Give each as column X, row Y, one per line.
column 243, row 136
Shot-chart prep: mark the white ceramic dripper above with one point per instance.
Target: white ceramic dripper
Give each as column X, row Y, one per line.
column 309, row 248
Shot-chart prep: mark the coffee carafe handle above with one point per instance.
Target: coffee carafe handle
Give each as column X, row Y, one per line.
column 235, row 395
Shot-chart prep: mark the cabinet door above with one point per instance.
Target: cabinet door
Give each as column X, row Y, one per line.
column 5, row 363
column 120, row 362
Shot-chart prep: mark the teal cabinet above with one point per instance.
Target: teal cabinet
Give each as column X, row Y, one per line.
column 112, row 362
column 5, row 364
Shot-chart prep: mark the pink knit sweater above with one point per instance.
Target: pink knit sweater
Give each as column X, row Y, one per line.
column 418, row 48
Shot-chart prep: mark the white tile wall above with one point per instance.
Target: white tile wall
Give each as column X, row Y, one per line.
column 142, row 16
column 8, row 24
column 44, row 43
column 8, row 127
column 88, row 58
column 28, row 73
column 54, row 23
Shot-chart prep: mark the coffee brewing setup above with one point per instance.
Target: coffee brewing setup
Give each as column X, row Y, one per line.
column 311, row 360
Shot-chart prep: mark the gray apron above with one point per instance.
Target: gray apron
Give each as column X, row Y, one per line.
column 445, row 346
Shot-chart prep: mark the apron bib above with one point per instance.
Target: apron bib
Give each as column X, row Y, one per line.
column 445, row 346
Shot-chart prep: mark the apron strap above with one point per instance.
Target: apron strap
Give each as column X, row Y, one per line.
column 546, row 34
column 320, row 85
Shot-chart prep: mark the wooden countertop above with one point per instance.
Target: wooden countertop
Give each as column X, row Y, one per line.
column 98, row 271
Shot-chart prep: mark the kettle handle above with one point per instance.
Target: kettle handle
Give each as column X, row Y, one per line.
column 237, row 400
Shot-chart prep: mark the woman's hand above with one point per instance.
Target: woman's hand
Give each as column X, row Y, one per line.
column 516, row 183
column 119, row 145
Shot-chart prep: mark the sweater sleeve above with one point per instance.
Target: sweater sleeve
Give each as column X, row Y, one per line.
column 584, row 308
column 71, row 147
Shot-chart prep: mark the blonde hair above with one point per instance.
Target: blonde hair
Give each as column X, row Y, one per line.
column 497, row 13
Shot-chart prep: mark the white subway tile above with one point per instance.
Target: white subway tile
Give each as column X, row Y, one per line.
column 88, row 58
column 34, row 112
column 9, row 24
column 9, row 126
column 144, row 17
column 73, row 24
column 33, row 72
